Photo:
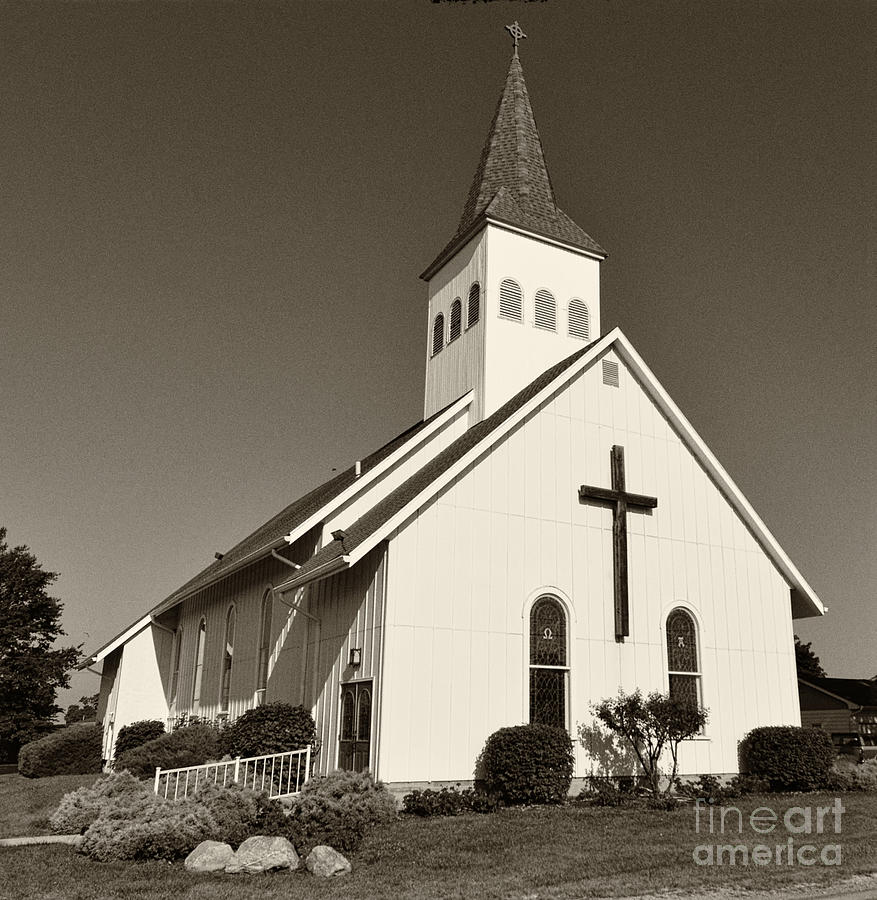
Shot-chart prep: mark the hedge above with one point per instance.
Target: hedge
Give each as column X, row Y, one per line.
column 528, row 764
column 137, row 733
column 273, row 728
column 184, row 747
column 74, row 750
column 788, row 757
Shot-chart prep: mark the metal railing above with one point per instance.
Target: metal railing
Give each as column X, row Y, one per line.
column 280, row 774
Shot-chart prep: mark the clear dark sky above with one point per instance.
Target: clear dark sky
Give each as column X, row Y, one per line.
column 213, row 216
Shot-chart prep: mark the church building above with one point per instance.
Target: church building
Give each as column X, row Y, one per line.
column 553, row 530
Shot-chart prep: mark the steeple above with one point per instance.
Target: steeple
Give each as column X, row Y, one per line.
column 517, row 288
column 512, row 183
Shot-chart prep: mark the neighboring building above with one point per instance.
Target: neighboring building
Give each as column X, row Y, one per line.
column 490, row 566
column 841, row 706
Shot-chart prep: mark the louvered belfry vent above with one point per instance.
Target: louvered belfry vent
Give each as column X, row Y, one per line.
column 456, row 320
column 474, row 308
column 610, row 373
column 545, row 310
column 579, row 320
column 438, row 334
column 511, row 300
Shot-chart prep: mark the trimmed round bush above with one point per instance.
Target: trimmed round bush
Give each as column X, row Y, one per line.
column 184, row 747
column 449, row 801
column 338, row 809
column 273, row 728
column 74, row 750
column 528, row 764
column 81, row 808
column 137, row 733
column 788, row 757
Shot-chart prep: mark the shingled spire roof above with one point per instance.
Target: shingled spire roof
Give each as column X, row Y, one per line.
column 512, row 183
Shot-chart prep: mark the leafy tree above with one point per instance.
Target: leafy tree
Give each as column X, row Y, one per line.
column 651, row 725
column 31, row 671
column 84, row 711
column 807, row 661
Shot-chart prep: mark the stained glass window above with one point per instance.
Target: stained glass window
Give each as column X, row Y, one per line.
column 364, row 716
column 199, row 666
column 227, row 660
column 682, row 662
column 347, row 716
column 549, row 673
column 264, row 645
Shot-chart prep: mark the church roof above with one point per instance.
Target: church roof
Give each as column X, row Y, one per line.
column 377, row 524
column 511, row 183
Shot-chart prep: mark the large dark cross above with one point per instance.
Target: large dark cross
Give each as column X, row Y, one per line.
column 621, row 501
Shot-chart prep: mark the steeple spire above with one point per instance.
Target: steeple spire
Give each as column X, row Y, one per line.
column 512, row 183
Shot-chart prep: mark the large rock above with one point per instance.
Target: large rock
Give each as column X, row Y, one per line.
column 326, row 862
column 261, row 854
column 209, row 856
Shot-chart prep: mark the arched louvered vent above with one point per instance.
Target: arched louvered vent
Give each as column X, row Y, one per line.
column 610, row 373
column 546, row 310
column 579, row 319
column 456, row 320
column 511, row 300
column 438, row 334
column 474, row 308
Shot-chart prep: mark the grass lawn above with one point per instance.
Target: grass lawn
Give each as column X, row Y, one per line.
column 543, row 853
column 27, row 803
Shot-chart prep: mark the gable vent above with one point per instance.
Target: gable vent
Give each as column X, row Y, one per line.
column 456, row 320
column 511, row 300
column 474, row 309
column 579, row 320
column 610, row 373
column 546, row 310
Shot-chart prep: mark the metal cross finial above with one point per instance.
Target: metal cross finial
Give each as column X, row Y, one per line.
column 517, row 33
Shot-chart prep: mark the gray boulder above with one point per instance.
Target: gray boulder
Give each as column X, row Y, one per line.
column 209, row 856
column 261, row 854
column 326, row 862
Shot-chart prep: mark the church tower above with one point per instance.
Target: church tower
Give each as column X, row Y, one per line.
column 517, row 288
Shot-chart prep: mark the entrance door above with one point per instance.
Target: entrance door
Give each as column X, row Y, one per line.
column 354, row 740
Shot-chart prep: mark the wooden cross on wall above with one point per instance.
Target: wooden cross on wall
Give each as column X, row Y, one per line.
column 621, row 501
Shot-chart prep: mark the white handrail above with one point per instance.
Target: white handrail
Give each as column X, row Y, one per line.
column 281, row 774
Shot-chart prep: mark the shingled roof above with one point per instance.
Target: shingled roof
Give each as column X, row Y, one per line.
column 383, row 511
column 274, row 530
column 512, row 183
column 857, row 691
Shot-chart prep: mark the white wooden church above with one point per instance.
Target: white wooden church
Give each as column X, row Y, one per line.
column 553, row 529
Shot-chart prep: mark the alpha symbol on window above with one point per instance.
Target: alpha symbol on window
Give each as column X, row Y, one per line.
column 680, row 641
column 548, row 634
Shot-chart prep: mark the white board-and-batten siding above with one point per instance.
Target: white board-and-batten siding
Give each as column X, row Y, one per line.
column 350, row 606
column 463, row 571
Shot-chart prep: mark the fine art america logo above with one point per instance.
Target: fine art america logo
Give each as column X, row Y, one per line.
column 786, row 845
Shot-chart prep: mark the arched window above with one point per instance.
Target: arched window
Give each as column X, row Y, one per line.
column 175, row 663
column 227, row 660
column 683, row 664
column 579, row 319
column 474, row 308
column 438, row 334
column 549, row 663
column 456, row 328
column 264, row 646
column 511, row 300
column 201, row 640
column 545, row 310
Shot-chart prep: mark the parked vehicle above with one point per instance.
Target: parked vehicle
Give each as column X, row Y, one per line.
column 855, row 746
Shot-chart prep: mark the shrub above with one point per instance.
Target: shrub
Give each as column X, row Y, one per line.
column 789, row 758
column 528, row 764
column 137, row 733
column 183, row 747
column 272, row 728
column 449, row 801
column 338, row 809
column 847, row 775
column 79, row 809
column 75, row 750
column 147, row 827
column 608, row 792
column 235, row 810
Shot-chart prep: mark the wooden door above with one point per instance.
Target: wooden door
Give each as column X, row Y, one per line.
column 354, row 738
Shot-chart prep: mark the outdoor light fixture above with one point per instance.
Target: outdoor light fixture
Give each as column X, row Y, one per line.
column 355, row 657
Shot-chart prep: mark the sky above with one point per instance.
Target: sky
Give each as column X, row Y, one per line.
column 213, row 217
